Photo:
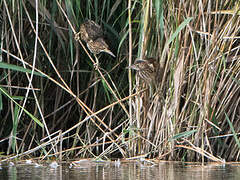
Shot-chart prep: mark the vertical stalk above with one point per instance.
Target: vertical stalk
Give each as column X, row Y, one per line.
column 130, row 63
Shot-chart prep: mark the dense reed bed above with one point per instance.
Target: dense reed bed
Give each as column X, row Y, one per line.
column 53, row 101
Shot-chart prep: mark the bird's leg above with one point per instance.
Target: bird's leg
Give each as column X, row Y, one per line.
column 77, row 37
column 96, row 64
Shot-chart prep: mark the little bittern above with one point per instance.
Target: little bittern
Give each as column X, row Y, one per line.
column 89, row 30
column 99, row 45
column 93, row 35
column 146, row 69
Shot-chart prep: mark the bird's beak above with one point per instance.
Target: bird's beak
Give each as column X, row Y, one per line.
column 109, row 52
column 140, row 60
column 132, row 67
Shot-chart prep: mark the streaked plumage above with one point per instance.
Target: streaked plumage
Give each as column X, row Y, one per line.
column 146, row 69
column 93, row 35
column 99, row 45
column 89, row 30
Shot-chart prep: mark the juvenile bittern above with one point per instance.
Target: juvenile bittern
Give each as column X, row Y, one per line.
column 93, row 35
column 99, row 45
column 146, row 69
column 89, row 30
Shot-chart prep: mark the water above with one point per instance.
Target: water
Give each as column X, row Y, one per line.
column 113, row 171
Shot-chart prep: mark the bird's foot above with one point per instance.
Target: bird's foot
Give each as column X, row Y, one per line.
column 77, row 37
column 96, row 66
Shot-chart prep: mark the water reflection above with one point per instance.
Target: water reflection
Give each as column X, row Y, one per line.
column 113, row 171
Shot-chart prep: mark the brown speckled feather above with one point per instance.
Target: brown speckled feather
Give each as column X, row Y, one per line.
column 90, row 30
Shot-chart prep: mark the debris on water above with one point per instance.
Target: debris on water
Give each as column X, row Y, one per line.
column 82, row 163
column 37, row 165
column 117, row 163
column 28, row 161
column 53, row 165
column 11, row 164
column 99, row 160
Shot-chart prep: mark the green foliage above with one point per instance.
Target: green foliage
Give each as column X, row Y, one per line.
column 18, row 68
column 13, row 98
column 184, row 134
column 233, row 131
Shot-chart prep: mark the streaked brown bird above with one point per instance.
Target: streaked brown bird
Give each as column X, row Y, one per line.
column 93, row 35
column 99, row 45
column 146, row 69
column 89, row 30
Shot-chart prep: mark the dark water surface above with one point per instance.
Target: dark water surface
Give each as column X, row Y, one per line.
column 112, row 171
